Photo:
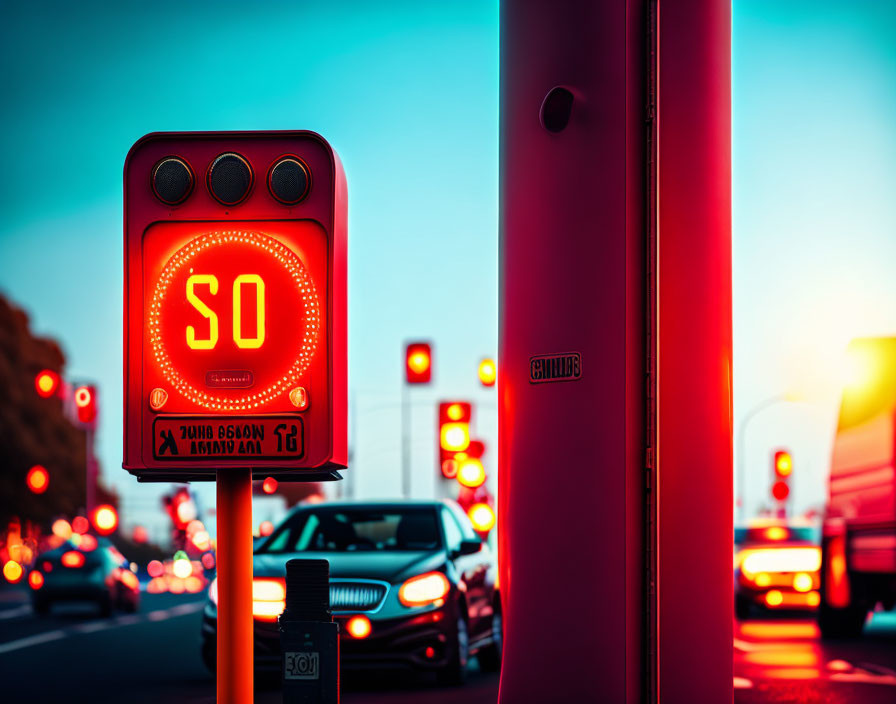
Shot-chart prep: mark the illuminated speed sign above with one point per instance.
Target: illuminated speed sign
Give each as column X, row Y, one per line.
column 235, row 305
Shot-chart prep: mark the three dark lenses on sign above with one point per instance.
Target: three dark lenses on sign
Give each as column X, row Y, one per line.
column 230, row 179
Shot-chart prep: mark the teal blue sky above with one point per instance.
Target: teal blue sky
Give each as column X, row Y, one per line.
column 407, row 93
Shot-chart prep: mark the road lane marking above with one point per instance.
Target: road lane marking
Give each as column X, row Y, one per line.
column 127, row 620
column 92, row 627
column 32, row 640
column 183, row 609
column 22, row 610
column 96, row 626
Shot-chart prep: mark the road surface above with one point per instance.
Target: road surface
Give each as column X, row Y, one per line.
column 73, row 655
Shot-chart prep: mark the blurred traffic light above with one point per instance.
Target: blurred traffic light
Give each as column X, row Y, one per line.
column 46, row 382
column 182, row 511
column 488, row 372
column 482, row 516
column 37, row 479
column 783, row 464
column 105, row 519
column 780, row 490
column 470, row 472
column 418, row 363
column 85, row 404
column 454, row 434
column 269, row 485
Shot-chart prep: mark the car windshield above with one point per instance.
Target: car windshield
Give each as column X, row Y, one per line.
column 356, row 529
column 775, row 533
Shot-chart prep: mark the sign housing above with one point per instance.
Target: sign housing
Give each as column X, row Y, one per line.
column 235, row 306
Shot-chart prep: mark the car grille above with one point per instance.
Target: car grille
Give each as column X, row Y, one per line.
column 356, row 596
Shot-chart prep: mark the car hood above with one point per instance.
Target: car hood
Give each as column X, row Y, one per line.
column 387, row 566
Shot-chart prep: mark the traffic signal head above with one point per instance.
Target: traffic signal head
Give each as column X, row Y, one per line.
column 488, row 372
column 783, row 464
column 235, row 306
column 85, row 404
column 780, row 490
column 46, row 382
column 37, row 479
column 454, row 434
column 105, row 519
column 418, row 363
column 482, row 516
column 471, row 472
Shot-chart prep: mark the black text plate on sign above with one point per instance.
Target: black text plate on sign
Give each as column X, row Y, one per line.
column 188, row 438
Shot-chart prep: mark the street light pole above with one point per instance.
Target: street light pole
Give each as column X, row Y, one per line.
column 741, row 450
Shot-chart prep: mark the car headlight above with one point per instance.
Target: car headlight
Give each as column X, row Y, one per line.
column 424, row 589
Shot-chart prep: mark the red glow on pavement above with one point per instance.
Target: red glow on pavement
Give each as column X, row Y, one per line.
column 780, row 630
column 37, row 479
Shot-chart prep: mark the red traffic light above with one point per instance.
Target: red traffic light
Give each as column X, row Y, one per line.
column 470, row 472
column 418, row 363
column 46, row 383
column 783, row 464
column 488, row 372
column 105, row 519
column 85, row 404
column 37, row 479
column 780, row 490
column 269, row 485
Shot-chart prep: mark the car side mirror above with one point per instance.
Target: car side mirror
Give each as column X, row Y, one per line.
column 468, row 547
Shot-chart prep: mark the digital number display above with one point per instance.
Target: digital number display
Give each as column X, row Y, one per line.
column 233, row 320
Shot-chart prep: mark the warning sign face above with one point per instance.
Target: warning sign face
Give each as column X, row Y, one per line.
column 185, row 438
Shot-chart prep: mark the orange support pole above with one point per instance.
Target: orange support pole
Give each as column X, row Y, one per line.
column 234, row 552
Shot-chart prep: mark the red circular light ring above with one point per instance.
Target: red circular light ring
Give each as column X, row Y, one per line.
column 306, row 290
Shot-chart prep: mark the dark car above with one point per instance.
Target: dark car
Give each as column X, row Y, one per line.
column 411, row 585
column 776, row 568
column 93, row 571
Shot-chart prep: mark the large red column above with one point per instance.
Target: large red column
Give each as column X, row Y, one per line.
column 572, row 281
column 695, row 534
column 620, row 268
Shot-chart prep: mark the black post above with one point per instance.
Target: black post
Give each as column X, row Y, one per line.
column 309, row 638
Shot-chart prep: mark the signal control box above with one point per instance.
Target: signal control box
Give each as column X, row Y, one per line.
column 234, row 306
